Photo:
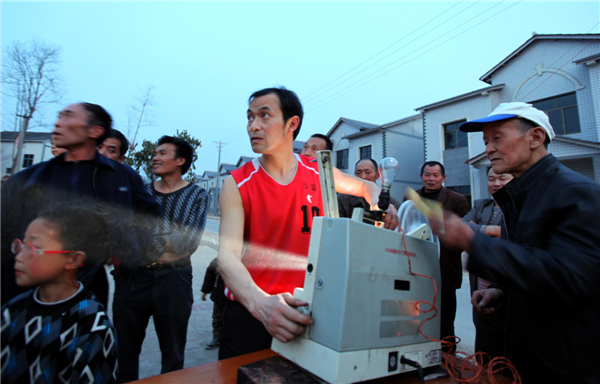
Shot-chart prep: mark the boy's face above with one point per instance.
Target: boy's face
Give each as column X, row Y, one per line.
column 36, row 269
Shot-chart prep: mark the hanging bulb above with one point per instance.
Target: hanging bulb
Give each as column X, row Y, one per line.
column 388, row 169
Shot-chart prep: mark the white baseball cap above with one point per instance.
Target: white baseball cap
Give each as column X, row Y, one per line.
column 510, row 111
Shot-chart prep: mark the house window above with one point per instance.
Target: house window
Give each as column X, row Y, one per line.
column 8, row 171
column 463, row 190
column 342, row 159
column 562, row 112
column 27, row 161
column 455, row 138
column 365, row 152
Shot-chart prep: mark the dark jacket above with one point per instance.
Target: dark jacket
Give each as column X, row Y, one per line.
column 549, row 270
column 213, row 283
column 450, row 260
column 347, row 203
column 114, row 189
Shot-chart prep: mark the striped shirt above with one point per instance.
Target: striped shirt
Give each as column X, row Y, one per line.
column 183, row 221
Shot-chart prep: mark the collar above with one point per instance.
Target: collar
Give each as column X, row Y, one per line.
column 98, row 160
column 522, row 184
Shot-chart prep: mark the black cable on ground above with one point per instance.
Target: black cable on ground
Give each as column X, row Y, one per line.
column 404, row 360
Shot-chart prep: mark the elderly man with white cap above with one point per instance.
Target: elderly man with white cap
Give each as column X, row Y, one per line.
column 547, row 266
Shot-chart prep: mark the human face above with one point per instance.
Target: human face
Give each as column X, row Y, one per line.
column 56, row 151
column 506, row 148
column 313, row 145
column 41, row 268
column 495, row 181
column 366, row 171
column 72, row 128
column 164, row 161
column 432, row 178
column 266, row 128
column 111, row 148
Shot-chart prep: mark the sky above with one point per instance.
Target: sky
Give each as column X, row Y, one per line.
column 370, row 61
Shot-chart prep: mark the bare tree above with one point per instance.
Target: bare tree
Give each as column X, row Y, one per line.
column 140, row 113
column 30, row 76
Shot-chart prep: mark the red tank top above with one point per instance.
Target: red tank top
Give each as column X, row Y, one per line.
column 277, row 224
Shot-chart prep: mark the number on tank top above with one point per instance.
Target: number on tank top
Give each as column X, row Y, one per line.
column 315, row 211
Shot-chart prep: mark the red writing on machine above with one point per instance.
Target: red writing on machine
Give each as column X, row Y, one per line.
column 399, row 252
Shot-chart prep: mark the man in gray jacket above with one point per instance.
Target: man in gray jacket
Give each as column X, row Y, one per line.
column 486, row 217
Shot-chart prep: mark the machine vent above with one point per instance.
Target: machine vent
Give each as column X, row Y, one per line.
column 400, row 328
column 398, row 308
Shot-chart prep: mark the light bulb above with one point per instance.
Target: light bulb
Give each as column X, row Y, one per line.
column 388, row 169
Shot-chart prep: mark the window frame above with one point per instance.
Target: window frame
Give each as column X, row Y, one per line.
column 458, row 132
column 342, row 155
column 370, row 147
column 562, row 109
column 28, row 160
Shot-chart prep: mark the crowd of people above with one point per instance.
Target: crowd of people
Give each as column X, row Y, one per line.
column 533, row 247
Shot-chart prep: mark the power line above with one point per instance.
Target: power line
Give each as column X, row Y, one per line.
column 307, row 97
column 416, row 57
column 401, row 58
column 390, row 54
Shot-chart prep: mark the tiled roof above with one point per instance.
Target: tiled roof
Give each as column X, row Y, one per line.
column 460, row 97
column 384, row 126
column 589, row 58
column 29, row 136
column 585, row 36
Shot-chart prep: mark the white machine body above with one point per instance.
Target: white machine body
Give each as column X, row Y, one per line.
column 362, row 298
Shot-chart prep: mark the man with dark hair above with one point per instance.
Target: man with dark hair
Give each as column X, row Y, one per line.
column 115, row 146
column 267, row 208
column 163, row 282
column 81, row 176
column 289, row 104
column 366, row 169
column 317, row 142
column 546, row 265
column 433, row 176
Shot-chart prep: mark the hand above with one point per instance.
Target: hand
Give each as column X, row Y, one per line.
column 203, row 296
column 280, row 317
column 493, row 230
column 391, row 216
column 487, row 301
column 452, row 231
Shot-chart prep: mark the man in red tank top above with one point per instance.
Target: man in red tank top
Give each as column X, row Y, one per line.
column 267, row 207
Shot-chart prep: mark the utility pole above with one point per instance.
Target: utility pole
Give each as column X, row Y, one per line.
column 220, row 145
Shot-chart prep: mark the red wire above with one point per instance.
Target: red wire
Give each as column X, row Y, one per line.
column 471, row 368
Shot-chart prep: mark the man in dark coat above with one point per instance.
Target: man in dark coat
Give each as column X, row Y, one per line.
column 433, row 176
column 547, row 263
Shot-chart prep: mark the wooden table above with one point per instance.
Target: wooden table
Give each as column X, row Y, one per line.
column 225, row 372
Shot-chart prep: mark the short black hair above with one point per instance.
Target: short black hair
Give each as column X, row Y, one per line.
column 115, row 134
column 288, row 102
column 372, row 161
column 99, row 117
column 526, row 124
column 182, row 149
column 433, row 164
column 328, row 143
column 80, row 229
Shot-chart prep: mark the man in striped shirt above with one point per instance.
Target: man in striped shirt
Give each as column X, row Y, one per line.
column 162, row 285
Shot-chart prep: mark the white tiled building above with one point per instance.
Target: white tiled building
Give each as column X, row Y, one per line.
column 559, row 74
column 402, row 139
column 35, row 150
